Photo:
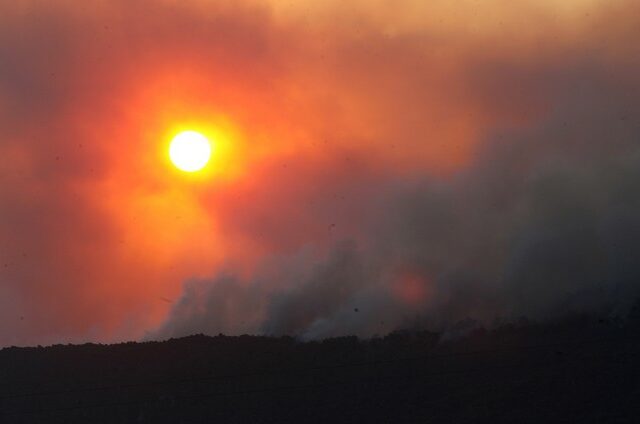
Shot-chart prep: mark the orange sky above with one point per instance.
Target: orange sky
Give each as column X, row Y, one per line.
column 312, row 105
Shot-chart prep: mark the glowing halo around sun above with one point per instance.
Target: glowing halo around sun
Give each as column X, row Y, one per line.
column 190, row 151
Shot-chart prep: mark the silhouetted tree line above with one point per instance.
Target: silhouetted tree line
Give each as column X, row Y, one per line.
column 579, row 369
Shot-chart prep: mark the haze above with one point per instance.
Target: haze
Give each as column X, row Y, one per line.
column 377, row 164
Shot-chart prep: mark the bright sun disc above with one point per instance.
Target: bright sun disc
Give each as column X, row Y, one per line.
column 190, row 151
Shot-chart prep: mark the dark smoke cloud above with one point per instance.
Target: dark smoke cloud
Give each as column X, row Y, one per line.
column 545, row 222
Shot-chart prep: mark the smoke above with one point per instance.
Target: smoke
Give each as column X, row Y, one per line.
column 377, row 165
column 544, row 222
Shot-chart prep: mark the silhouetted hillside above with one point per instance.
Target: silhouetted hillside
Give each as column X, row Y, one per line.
column 579, row 370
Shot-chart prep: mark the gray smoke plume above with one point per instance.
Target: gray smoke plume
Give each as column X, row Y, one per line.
column 545, row 222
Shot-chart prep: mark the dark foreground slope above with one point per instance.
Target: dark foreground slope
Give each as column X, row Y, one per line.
column 579, row 370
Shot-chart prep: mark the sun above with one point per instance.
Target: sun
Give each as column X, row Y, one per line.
column 190, row 151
